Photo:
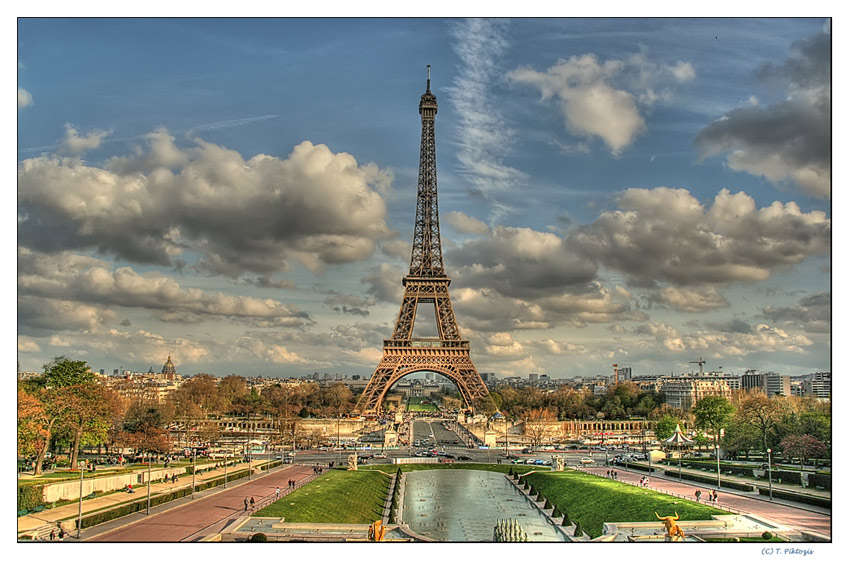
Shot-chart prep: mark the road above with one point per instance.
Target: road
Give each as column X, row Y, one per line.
column 204, row 515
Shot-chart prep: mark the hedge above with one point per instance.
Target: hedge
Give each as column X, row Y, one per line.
column 30, row 496
column 711, row 480
column 820, row 480
column 797, row 497
column 790, row 477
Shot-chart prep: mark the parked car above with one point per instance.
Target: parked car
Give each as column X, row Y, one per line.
column 586, row 461
column 464, row 458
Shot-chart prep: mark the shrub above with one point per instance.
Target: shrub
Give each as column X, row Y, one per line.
column 577, row 533
column 30, row 496
column 566, row 521
column 767, row 536
column 820, row 480
column 259, row 537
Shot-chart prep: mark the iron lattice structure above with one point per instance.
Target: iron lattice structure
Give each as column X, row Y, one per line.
column 427, row 282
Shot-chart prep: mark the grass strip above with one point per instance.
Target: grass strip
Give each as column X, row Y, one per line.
column 593, row 500
column 337, row 497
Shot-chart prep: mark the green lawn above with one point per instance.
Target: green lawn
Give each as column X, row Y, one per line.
column 593, row 500
column 339, row 496
column 502, row 468
column 421, row 406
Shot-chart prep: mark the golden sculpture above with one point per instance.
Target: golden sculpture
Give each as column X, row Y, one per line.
column 674, row 532
column 377, row 531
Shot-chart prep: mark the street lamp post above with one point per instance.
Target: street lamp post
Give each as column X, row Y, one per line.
column 149, row 484
column 769, row 474
column 80, row 509
column 194, row 469
column 225, row 470
column 717, row 452
column 680, row 464
column 506, row 437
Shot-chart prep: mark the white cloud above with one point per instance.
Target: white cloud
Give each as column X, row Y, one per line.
column 665, row 234
column 50, row 282
column 241, row 216
column 75, row 145
column 465, row 224
column 789, row 140
column 24, row 98
column 484, row 135
column 600, row 99
column 693, row 299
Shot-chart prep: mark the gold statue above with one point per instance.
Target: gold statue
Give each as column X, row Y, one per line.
column 377, row 531
column 674, row 532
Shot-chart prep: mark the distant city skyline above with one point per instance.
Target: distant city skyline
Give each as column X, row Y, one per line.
column 239, row 193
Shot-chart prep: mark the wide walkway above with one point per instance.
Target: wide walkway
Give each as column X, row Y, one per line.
column 800, row 517
column 68, row 513
column 192, row 520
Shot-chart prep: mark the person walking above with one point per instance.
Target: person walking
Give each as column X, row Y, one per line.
column 252, row 503
column 698, row 494
column 246, row 504
column 276, row 493
column 714, row 496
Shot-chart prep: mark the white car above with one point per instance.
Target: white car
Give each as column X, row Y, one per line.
column 585, row 461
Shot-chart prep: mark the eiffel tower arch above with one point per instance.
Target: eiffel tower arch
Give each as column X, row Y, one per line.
column 426, row 283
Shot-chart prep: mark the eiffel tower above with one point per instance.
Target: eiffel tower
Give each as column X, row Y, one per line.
column 427, row 282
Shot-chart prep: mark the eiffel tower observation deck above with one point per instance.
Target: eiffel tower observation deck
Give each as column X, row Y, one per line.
column 426, row 283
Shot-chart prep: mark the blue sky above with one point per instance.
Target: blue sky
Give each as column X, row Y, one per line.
column 239, row 193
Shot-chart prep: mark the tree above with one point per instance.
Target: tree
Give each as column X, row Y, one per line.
column 763, row 414
column 803, row 446
column 145, row 427
column 713, row 413
column 32, row 434
column 63, row 372
column 87, row 418
column 665, row 427
column 536, row 424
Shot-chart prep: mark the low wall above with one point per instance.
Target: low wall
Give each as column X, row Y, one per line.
column 69, row 490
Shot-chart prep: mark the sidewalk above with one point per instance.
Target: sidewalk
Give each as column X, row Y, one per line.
column 658, row 471
column 33, row 521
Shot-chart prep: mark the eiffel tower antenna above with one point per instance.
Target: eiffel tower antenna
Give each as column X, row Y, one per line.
column 426, row 282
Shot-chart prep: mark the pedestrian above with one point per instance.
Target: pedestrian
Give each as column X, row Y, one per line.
column 252, row 503
column 714, row 496
column 698, row 494
column 608, row 473
column 52, row 535
column 61, row 533
column 246, row 504
column 277, row 493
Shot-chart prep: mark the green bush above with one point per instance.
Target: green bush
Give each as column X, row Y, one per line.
column 30, row 496
column 820, row 480
column 790, row 477
column 797, row 497
column 259, row 537
column 711, row 480
column 577, row 533
column 567, row 520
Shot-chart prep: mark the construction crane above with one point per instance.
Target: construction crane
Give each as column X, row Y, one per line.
column 700, row 362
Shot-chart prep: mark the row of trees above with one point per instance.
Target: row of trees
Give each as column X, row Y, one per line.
column 68, row 408
column 622, row 401
column 799, row 427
